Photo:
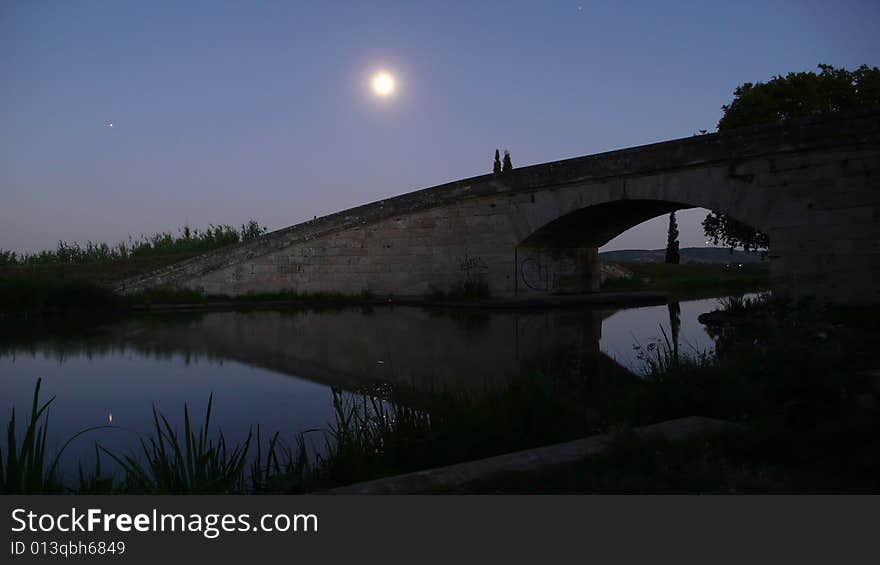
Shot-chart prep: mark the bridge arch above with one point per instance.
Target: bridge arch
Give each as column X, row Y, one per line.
column 562, row 256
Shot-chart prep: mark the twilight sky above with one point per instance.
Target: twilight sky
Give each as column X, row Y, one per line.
column 225, row 111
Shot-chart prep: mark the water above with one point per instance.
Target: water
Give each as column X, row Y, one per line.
column 634, row 326
column 276, row 368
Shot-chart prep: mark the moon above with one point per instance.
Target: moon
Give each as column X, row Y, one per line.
column 383, row 84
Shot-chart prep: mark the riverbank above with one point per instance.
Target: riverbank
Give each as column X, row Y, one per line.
column 691, row 278
column 84, row 290
column 634, row 297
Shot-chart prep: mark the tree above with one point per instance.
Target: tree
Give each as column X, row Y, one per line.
column 508, row 166
column 795, row 95
column 799, row 95
column 496, row 168
column 672, row 255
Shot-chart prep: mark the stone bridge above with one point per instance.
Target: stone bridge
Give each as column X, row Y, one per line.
column 812, row 185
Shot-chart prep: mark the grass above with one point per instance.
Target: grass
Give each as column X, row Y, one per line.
column 662, row 358
column 470, row 289
column 755, row 461
column 793, row 387
column 193, row 464
column 691, row 277
column 25, row 468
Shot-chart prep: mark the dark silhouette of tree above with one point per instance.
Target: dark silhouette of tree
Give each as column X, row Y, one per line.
column 496, row 168
column 508, row 166
column 252, row 230
column 795, row 95
column 672, row 255
column 732, row 233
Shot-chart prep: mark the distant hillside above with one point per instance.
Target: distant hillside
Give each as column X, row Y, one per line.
column 688, row 255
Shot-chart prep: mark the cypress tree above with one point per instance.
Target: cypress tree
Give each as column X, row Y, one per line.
column 674, row 327
column 507, row 164
column 496, row 168
column 672, row 255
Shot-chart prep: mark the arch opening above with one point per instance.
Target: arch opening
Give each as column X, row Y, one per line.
column 562, row 256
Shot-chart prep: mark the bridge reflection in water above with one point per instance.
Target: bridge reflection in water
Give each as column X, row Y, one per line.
column 427, row 349
column 273, row 367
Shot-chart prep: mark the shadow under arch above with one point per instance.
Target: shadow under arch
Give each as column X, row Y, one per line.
column 562, row 256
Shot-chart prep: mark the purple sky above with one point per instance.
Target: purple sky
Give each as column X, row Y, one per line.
column 225, row 111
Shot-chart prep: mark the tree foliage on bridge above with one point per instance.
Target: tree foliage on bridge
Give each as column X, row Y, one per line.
column 795, row 95
column 507, row 166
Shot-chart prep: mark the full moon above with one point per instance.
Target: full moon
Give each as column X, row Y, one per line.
column 383, row 84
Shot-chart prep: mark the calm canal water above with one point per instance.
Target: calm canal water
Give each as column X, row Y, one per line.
column 276, row 368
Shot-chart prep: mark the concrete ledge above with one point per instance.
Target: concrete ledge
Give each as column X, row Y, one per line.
column 528, row 461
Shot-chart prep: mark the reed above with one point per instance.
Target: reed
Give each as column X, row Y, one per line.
column 192, row 464
column 26, row 468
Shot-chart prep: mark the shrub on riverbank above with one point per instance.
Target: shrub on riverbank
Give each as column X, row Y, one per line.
column 186, row 241
column 40, row 296
column 27, row 296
